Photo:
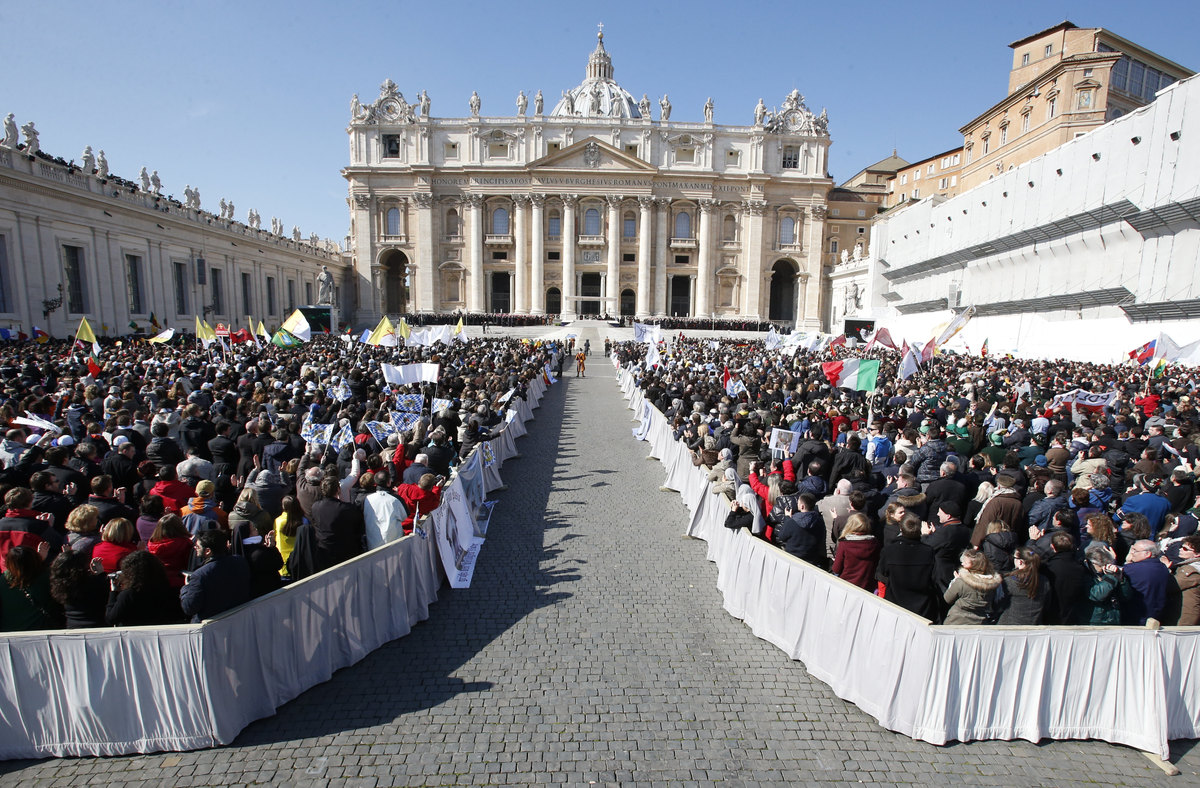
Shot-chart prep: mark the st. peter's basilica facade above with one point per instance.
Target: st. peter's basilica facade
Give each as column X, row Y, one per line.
column 591, row 208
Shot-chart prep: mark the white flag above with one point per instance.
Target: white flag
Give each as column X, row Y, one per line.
column 909, row 365
column 772, row 341
column 652, row 356
column 410, row 373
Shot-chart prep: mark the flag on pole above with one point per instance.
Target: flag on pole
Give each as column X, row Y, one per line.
column 384, row 334
column 85, row 334
column 403, row 421
column 772, row 340
column 380, row 430
column 957, row 324
column 297, row 326
column 459, row 328
column 852, row 373
column 909, row 365
column 154, row 321
column 1159, row 368
column 404, row 330
column 344, row 437
column 284, row 338
column 927, row 351
column 983, row 350
column 165, row 336
column 839, row 342
column 1144, row 353
column 410, row 403
column 40, row 336
column 205, row 333
column 653, row 358
column 410, row 373
column 263, row 332
column 93, row 367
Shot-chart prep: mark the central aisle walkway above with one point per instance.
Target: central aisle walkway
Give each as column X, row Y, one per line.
column 592, row 647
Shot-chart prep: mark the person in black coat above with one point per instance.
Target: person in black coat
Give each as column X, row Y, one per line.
column 142, row 595
column 906, row 568
column 340, row 527
column 221, row 583
column 223, row 450
column 948, row 540
column 848, row 460
column 945, row 490
column 162, row 449
column 802, row 533
column 1069, row 579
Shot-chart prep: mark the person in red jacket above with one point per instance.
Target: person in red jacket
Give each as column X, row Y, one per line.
column 116, row 541
column 857, row 553
column 420, row 498
column 175, row 494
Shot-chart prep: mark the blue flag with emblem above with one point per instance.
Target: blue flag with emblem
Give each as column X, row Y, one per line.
column 410, row 403
column 343, row 392
column 404, row 421
column 489, row 456
column 440, row 405
column 380, row 430
column 342, row 438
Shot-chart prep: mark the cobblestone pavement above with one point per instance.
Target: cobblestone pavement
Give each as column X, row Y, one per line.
column 591, row 648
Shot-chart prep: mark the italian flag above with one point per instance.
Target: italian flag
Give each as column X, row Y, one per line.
column 852, row 373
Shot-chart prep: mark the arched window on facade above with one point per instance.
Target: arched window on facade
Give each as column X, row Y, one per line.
column 452, row 226
column 500, row 221
column 729, row 228
column 683, row 225
column 591, row 222
column 393, row 221
column 787, row 230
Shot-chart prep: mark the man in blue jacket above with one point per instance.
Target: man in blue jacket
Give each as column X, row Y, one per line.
column 222, row 583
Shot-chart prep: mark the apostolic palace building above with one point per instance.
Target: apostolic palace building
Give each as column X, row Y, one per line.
column 599, row 203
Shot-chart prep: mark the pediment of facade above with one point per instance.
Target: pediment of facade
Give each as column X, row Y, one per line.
column 590, row 154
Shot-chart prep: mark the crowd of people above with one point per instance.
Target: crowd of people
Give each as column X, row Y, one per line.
column 175, row 483
column 963, row 493
column 486, row 319
column 711, row 324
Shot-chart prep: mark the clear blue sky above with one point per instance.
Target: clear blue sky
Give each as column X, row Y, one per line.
column 250, row 100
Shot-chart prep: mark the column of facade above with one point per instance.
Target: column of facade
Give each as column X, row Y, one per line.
column 704, row 266
column 537, row 286
column 422, row 289
column 520, row 286
column 568, row 256
column 660, row 257
column 643, row 258
column 811, row 260
column 475, row 252
column 612, row 282
column 752, row 256
column 801, row 296
column 692, row 293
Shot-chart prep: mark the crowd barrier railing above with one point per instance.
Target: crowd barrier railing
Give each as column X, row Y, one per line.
column 1126, row 685
column 190, row 686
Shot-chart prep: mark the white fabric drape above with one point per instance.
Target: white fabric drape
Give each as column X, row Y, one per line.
column 1125, row 685
column 150, row 689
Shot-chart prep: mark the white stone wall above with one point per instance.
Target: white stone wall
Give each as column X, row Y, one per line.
column 1103, row 167
column 43, row 207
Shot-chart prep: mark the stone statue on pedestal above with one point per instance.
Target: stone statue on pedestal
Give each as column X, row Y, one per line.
column 296, row 233
column 325, row 286
column 522, row 103
column 223, row 206
column 475, row 104
column 424, row 99
column 229, row 214
column 10, row 132
column 570, row 103
column 644, row 106
column 32, row 145
column 538, row 103
column 665, row 105
column 144, row 177
column 760, row 113
column 102, row 164
column 708, row 110
column 155, row 182
column 89, row 161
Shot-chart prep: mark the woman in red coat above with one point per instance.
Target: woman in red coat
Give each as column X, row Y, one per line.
column 171, row 544
column 857, row 553
column 116, row 541
column 419, row 499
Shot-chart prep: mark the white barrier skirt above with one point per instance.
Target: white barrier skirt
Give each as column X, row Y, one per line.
column 1126, row 685
column 149, row 689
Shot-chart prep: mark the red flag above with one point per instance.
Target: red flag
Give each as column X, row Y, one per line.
column 21, row 335
column 839, row 342
column 93, row 367
column 927, row 351
column 239, row 336
column 883, row 337
column 984, row 349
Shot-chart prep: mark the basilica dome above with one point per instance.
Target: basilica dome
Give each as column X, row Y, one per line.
column 598, row 96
